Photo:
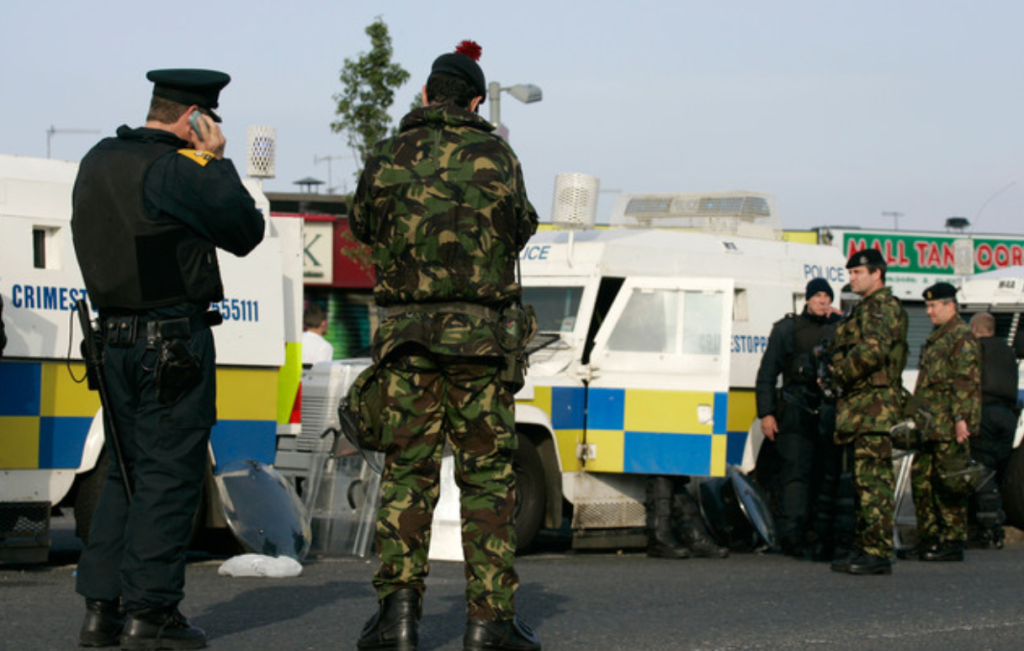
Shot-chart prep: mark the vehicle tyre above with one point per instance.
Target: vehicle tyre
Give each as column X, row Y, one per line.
column 88, row 496
column 1013, row 489
column 531, row 493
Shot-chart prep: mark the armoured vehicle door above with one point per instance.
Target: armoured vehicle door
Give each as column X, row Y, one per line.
column 658, row 392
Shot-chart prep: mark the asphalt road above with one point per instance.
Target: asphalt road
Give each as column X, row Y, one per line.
column 584, row 601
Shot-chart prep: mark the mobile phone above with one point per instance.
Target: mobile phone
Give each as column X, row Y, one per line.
column 194, row 122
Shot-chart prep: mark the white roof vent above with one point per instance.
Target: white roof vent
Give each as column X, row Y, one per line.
column 575, row 204
column 262, row 143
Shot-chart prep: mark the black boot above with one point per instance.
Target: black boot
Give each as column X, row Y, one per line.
column 160, row 628
column 949, row 550
column 395, row 624
column 866, row 564
column 103, row 623
column 505, row 635
column 924, row 546
column 841, row 560
column 693, row 532
column 661, row 539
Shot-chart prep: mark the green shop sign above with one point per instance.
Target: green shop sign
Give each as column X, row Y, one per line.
column 932, row 254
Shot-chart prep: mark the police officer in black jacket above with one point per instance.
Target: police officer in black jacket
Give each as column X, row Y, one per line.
column 796, row 419
column 151, row 206
column 994, row 443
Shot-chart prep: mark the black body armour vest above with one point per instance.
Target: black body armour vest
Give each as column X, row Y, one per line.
column 129, row 259
column 998, row 371
column 807, row 334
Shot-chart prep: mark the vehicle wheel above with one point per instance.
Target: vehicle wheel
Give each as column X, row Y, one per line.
column 1013, row 489
column 88, row 495
column 531, row 493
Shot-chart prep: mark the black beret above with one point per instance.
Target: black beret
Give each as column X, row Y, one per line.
column 190, row 86
column 939, row 291
column 462, row 63
column 866, row 257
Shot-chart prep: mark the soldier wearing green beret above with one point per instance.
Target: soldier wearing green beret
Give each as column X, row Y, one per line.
column 444, row 209
column 949, row 388
column 868, row 357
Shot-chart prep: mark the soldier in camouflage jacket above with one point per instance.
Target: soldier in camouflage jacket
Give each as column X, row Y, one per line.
column 949, row 389
column 869, row 354
column 444, row 209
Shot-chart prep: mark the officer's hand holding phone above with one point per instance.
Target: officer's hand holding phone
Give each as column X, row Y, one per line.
column 206, row 134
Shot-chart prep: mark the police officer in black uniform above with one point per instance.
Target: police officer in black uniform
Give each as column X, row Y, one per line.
column 994, row 443
column 797, row 420
column 151, row 206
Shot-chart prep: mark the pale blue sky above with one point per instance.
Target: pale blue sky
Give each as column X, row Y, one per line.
column 843, row 109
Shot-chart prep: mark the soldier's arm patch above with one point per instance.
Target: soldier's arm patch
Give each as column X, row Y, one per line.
column 197, row 155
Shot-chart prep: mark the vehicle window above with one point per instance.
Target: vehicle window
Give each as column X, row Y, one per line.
column 702, row 324
column 646, row 323
column 671, row 322
column 556, row 307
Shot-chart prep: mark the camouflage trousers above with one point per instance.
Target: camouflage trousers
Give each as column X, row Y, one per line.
column 428, row 401
column 875, row 484
column 941, row 511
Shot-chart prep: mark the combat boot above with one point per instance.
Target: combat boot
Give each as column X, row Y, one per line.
column 661, row 539
column 395, row 626
column 841, row 562
column 865, row 564
column 998, row 537
column 693, row 532
column 104, row 621
column 918, row 551
column 949, row 550
column 160, row 628
column 505, row 635
column 703, row 546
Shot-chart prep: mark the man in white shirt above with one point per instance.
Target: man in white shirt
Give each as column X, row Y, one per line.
column 314, row 347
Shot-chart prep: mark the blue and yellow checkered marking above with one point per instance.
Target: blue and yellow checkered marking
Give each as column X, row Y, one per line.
column 45, row 415
column 647, row 431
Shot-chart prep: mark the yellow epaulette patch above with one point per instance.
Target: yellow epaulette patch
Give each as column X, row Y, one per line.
column 197, row 155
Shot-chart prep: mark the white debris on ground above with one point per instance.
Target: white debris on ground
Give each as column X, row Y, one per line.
column 261, row 566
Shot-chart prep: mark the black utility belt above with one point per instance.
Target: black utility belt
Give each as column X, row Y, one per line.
column 123, row 331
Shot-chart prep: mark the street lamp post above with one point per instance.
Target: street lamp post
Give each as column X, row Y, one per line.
column 895, row 218
column 525, row 93
column 330, row 176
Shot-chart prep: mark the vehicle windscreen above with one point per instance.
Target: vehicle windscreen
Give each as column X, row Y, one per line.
column 556, row 307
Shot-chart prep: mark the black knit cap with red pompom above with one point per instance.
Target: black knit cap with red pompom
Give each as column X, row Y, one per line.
column 463, row 63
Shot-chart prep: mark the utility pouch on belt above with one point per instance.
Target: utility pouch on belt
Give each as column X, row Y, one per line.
column 517, row 327
column 121, row 332
column 178, row 369
column 361, row 411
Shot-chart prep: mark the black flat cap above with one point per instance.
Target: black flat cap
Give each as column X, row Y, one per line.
column 939, row 291
column 190, row 86
column 866, row 257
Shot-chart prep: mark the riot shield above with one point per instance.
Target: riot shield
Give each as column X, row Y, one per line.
column 262, row 510
column 737, row 513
